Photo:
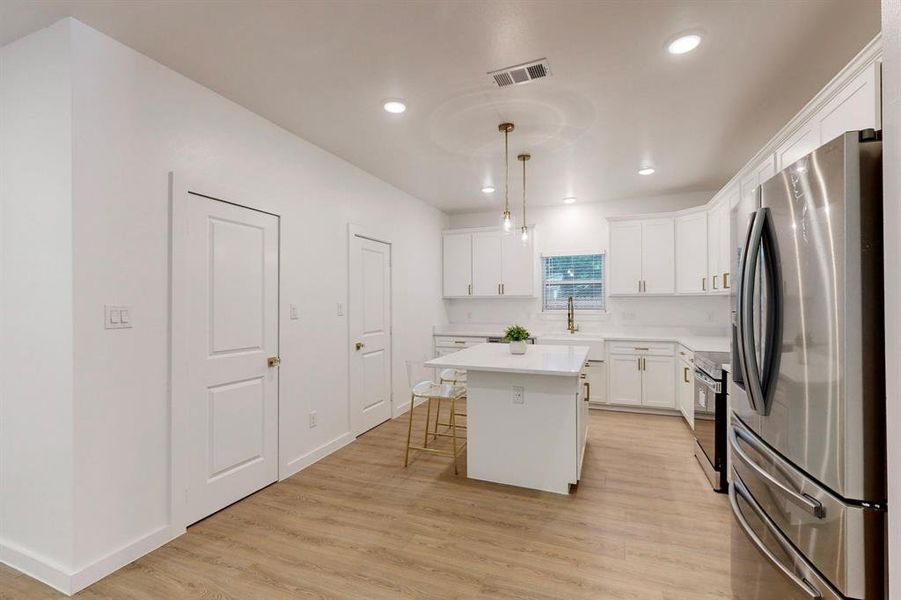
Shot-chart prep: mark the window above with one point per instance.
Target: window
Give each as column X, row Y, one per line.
column 580, row 276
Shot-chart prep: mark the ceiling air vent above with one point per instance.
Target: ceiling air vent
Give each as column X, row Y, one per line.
column 523, row 73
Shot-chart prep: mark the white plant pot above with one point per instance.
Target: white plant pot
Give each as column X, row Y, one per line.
column 518, row 347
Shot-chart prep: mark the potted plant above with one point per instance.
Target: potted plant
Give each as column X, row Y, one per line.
column 517, row 336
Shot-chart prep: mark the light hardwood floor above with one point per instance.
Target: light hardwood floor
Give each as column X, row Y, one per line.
column 643, row 524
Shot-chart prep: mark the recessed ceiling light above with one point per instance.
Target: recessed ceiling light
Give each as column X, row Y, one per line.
column 569, row 200
column 395, row 106
column 684, row 43
column 488, row 189
column 646, row 171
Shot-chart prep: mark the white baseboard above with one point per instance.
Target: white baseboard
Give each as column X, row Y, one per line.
column 641, row 410
column 404, row 407
column 305, row 460
column 69, row 581
column 35, row 566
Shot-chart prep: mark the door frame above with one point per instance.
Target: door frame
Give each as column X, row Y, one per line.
column 180, row 187
column 374, row 235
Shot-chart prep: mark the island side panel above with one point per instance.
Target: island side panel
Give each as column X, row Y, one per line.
column 533, row 444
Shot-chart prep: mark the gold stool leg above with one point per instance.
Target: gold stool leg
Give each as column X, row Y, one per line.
column 453, row 421
column 437, row 420
column 428, row 418
column 409, row 432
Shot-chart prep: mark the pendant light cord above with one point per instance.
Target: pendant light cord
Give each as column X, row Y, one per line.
column 506, row 172
column 524, row 193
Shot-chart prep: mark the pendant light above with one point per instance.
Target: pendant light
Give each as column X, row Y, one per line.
column 506, row 216
column 524, row 230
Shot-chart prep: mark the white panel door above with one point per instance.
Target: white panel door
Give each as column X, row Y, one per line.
column 232, row 395
column 370, row 333
column 658, row 263
column 625, row 379
column 691, row 254
column 658, row 386
column 856, row 106
column 486, row 263
column 457, row 265
column 625, row 257
column 518, row 266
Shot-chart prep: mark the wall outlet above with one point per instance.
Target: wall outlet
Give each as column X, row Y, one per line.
column 519, row 393
column 312, row 419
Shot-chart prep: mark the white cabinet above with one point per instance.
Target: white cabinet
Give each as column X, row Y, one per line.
column 625, row 257
column 714, row 239
column 658, row 263
column 457, row 265
column 596, row 381
column 855, row 106
column 642, row 257
column 642, row 377
column 691, row 253
column 486, row 263
column 517, row 266
column 625, row 379
column 685, row 385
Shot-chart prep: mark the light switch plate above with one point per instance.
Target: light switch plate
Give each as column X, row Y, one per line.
column 117, row 317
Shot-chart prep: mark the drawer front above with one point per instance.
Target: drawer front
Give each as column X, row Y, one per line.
column 685, row 354
column 640, row 347
column 459, row 341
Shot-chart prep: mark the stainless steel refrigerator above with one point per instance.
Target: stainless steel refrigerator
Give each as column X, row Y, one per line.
column 807, row 429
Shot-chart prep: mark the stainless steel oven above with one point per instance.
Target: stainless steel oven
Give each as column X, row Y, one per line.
column 710, row 417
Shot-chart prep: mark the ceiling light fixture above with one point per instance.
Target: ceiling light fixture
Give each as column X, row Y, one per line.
column 506, row 216
column 524, row 231
column 646, row 171
column 569, row 200
column 488, row 189
column 684, row 43
column 394, row 106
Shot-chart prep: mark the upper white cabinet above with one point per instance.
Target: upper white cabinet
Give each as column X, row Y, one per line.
column 486, row 263
column 457, row 265
column 691, row 253
column 855, row 106
column 642, row 257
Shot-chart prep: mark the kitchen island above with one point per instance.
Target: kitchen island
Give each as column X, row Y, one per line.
column 527, row 417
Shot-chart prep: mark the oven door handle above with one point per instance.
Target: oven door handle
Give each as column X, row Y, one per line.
column 738, row 489
column 802, row 500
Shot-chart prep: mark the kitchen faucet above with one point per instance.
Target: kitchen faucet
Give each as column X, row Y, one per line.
column 571, row 316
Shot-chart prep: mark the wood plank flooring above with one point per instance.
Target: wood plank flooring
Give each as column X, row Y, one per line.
column 643, row 525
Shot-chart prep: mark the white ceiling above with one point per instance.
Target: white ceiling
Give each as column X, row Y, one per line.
column 616, row 99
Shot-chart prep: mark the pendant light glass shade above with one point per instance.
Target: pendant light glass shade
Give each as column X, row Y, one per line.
column 507, row 222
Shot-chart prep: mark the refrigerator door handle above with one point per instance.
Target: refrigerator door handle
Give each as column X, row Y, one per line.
column 805, row 502
column 738, row 489
column 772, row 273
column 745, row 300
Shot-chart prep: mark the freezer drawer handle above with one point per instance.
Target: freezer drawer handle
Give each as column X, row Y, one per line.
column 804, row 501
column 738, row 488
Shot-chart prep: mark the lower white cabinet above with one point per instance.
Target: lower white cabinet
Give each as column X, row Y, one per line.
column 641, row 379
column 596, row 381
column 685, row 389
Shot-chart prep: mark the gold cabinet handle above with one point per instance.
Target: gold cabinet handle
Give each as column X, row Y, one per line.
column 639, row 363
column 714, row 282
column 470, row 289
column 587, row 391
column 685, row 374
column 273, row 361
column 359, row 345
column 725, row 281
column 703, row 284
column 639, row 286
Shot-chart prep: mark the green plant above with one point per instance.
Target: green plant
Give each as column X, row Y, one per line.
column 516, row 333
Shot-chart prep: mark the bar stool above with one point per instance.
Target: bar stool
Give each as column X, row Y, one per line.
column 458, row 378
column 423, row 385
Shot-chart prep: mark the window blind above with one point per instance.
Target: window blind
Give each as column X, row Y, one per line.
column 580, row 276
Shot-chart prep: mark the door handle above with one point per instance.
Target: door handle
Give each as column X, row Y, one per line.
column 273, row 361
column 359, row 345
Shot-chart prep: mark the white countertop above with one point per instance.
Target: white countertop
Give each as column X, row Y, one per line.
column 696, row 343
column 539, row 359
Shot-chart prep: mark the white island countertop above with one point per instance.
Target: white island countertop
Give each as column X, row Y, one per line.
column 539, row 359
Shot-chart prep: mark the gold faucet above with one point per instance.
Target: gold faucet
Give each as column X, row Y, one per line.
column 571, row 316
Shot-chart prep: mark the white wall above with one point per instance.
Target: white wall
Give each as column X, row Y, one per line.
column 584, row 228
column 891, row 158
column 36, row 462
column 133, row 121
